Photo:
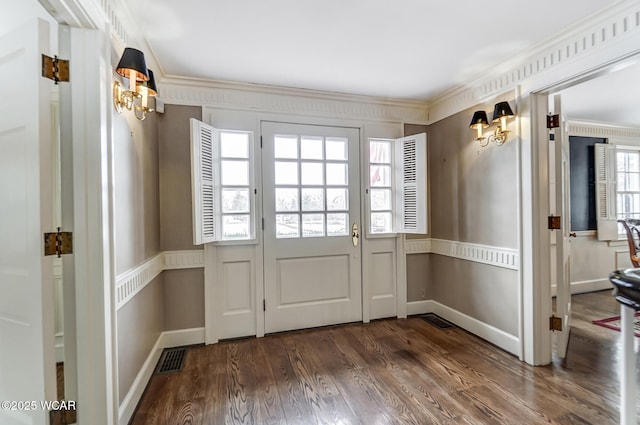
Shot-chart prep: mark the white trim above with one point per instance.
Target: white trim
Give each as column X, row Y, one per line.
column 502, row 339
column 420, row 307
column 485, row 331
column 585, row 286
column 133, row 281
column 602, row 130
column 492, row 255
column 182, row 337
column 495, row 256
column 129, row 283
column 288, row 101
column 130, row 401
column 166, row 339
column 417, row 246
column 191, row 259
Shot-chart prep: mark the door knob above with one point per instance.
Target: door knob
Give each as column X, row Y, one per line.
column 355, row 234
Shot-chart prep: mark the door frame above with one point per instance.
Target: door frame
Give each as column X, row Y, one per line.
column 86, row 117
column 214, row 254
column 536, row 300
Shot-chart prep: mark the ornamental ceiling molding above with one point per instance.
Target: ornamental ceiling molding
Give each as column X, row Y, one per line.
column 254, row 97
column 602, row 130
column 592, row 44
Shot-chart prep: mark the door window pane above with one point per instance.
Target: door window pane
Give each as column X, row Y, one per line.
column 381, row 222
column 235, row 226
column 234, row 145
column 311, row 147
column 380, row 199
column 286, row 147
column 287, row 226
column 380, row 152
column 286, row 173
column 337, row 174
column 312, row 225
column 312, row 173
column 337, row 224
column 337, row 148
column 287, row 199
column 380, row 176
column 235, row 200
column 235, row 173
column 337, row 199
column 312, row 199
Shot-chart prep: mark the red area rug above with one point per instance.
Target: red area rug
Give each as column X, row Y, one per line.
column 614, row 323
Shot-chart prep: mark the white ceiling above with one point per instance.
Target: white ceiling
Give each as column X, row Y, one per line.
column 403, row 49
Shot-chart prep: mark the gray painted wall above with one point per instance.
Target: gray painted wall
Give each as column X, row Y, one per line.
column 183, row 289
column 137, row 238
column 474, row 199
column 139, row 326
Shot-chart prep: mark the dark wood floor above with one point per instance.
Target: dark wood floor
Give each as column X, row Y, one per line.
column 391, row 372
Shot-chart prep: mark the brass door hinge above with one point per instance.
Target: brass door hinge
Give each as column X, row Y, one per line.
column 555, row 222
column 58, row 243
column 55, row 69
column 553, row 121
column 555, row 323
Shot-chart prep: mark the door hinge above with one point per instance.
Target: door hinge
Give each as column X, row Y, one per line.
column 553, row 121
column 55, row 69
column 65, row 415
column 264, row 305
column 260, row 142
column 555, row 222
column 263, row 224
column 555, row 323
column 58, row 243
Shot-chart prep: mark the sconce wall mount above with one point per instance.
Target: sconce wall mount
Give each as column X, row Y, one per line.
column 501, row 112
column 142, row 84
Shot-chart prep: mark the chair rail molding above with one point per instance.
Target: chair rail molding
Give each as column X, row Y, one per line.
column 131, row 282
column 495, row 256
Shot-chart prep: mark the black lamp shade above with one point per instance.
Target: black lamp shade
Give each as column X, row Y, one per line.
column 479, row 120
column 501, row 109
column 150, row 85
column 133, row 59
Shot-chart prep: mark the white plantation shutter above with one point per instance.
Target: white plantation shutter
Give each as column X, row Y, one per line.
column 205, row 182
column 411, row 184
column 605, row 169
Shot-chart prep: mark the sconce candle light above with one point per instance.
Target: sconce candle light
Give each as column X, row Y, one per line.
column 141, row 84
column 501, row 112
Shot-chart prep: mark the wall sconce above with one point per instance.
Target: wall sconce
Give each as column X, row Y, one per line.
column 142, row 84
column 501, row 111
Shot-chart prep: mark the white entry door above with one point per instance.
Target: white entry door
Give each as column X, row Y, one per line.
column 27, row 361
column 311, row 210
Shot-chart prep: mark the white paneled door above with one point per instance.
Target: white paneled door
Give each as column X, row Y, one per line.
column 27, row 362
column 311, row 210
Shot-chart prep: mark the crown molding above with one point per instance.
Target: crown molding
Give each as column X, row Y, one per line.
column 601, row 129
column 256, row 97
column 591, row 44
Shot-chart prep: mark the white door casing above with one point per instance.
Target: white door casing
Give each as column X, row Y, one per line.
column 562, row 246
column 27, row 356
column 312, row 261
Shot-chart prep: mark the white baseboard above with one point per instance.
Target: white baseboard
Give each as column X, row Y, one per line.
column 166, row 339
column 504, row 340
column 585, row 286
column 130, row 401
column 419, row 307
column 182, row 337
